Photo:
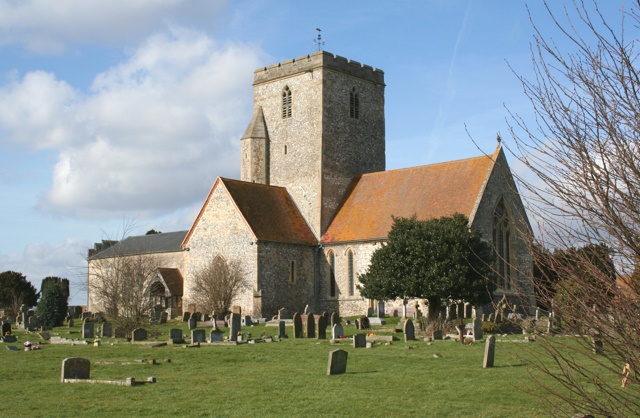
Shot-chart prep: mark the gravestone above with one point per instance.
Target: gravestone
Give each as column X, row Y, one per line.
column 139, row 334
column 336, row 332
column 163, row 317
column 337, row 361
column 537, row 314
column 381, row 312
column 71, row 323
column 335, row 319
column 236, row 309
column 322, row 327
column 235, row 326
column 369, row 312
column 75, row 368
column 310, row 326
column 356, row 323
column 6, row 328
column 364, row 323
column 327, row 318
column 86, row 315
column 477, row 329
column 193, row 323
column 489, row 352
column 87, row 329
column 106, row 330
column 216, row 336
column 186, row 316
column 359, row 341
column 297, row 325
column 205, row 317
column 246, row 321
column 175, row 334
column 306, row 310
column 281, row 329
column 467, row 310
column 77, row 312
column 409, row 331
column 197, row 315
column 198, row 336
column 437, row 334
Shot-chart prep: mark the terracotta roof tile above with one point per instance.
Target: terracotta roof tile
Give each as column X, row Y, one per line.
column 270, row 212
column 428, row 191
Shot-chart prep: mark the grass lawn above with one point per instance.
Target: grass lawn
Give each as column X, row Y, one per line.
column 287, row 378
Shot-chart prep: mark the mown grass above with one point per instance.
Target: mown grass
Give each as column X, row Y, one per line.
column 285, row 378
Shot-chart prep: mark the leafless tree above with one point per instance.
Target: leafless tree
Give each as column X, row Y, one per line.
column 584, row 153
column 118, row 283
column 218, row 284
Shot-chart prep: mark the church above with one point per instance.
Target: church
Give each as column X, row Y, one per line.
column 314, row 200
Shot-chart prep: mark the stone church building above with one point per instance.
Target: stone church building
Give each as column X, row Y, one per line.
column 314, row 200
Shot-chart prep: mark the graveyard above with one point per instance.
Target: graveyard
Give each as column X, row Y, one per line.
column 262, row 374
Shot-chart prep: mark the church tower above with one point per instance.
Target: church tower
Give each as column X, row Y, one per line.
column 318, row 122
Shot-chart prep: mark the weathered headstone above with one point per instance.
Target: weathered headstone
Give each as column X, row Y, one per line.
column 381, row 312
column 337, row 361
column 193, row 322
column 216, row 336
column 409, row 331
column 322, row 327
column 236, row 309
column 75, row 368
column 369, row 311
column 477, row 329
column 86, row 314
column 364, row 323
column 163, row 317
column 359, row 341
column 206, row 317
column 489, row 351
column 310, row 326
column 297, row 325
column 186, row 316
column 335, row 319
column 197, row 315
column 198, row 336
column 106, row 330
column 235, row 326
column 437, row 334
column 281, row 329
column 87, row 329
column 356, row 323
column 77, row 312
column 71, row 323
column 139, row 334
column 336, row 331
column 175, row 334
column 6, row 328
column 327, row 318
column 246, row 321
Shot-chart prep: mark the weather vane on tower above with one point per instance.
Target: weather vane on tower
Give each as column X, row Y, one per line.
column 319, row 42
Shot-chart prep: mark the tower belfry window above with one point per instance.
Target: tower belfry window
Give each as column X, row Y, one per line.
column 354, row 104
column 286, row 103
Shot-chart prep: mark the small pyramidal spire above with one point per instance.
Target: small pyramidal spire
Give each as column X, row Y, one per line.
column 319, row 42
column 499, row 138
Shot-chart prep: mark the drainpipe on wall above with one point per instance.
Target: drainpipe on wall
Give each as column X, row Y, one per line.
column 315, row 278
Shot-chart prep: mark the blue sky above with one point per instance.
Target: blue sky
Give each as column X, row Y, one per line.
column 127, row 110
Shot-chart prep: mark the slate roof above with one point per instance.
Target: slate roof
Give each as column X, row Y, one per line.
column 428, row 191
column 173, row 279
column 144, row 244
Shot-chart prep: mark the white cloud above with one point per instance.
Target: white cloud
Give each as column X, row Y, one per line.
column 151, row 134
column 47, row 26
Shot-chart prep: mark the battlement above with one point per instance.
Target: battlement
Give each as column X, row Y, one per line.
column 317, row 60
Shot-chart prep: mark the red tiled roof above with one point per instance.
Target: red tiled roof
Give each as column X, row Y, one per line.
column 428, row 191
column 270, row 212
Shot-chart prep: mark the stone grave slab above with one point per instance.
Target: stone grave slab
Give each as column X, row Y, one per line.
column 198, row 336
column 310, row 327
column 106, row 330
column 337, row 362
column 489, row 352
column 409, row 330
column 234, row 326
column 216, row 336
column 336, row 331
column 75, row 368
column 139, row 334
column 322, row 327
column 297, row 325
column 281, row 329
column 359, row 341
column 87, row 330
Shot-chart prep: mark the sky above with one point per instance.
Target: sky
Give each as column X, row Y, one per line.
column 117, row 116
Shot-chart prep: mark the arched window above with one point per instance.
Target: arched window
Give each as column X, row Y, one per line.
column 286, row 103
column 332, row 274
column 354, row 104
column 352, row 285
column 502, row 244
